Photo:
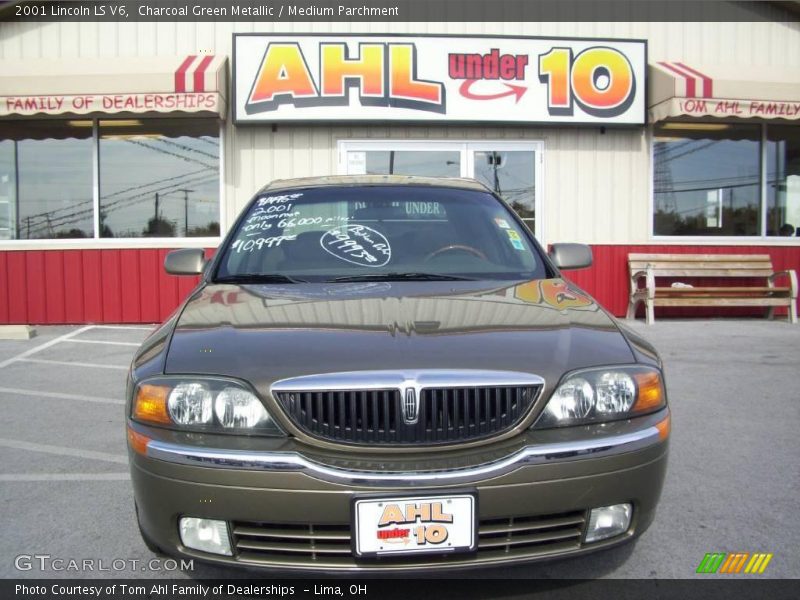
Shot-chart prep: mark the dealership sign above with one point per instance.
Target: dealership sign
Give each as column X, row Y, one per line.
column 442, row 79
column 108, row 103
column 194, row 84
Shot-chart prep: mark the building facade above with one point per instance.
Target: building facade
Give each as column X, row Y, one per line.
column 121, row 141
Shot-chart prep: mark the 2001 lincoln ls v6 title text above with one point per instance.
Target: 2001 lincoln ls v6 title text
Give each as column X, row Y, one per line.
column 383, row 373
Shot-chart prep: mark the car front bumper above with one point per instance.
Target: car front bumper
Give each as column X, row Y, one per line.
column 290, row 509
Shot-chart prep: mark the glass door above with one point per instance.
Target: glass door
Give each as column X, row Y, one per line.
column 511, row 169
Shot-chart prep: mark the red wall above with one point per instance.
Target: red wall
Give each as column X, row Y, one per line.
column 88, row 286
column 130, row 286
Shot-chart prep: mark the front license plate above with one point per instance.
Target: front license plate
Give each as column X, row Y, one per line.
column 411, row 524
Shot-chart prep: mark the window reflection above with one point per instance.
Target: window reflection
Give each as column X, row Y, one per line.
column 510, row 174
column 783, row 180
column 159, row 178
column 707, row 179
column 422, row 163
column 8, row 190
column 46, row 179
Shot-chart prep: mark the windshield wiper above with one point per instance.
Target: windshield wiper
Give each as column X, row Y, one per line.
column 401, row 277
column 259, row 278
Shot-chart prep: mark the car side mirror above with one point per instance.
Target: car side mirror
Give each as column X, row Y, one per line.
column 571, row 256
column 186, row 261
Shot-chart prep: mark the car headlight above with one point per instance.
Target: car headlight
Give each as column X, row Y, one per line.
column 202, row 403
column 604, row 394
column 189, row 403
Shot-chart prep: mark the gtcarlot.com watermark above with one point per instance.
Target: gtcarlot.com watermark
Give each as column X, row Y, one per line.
column 48, row 562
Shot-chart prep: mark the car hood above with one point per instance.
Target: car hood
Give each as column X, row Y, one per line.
column 263, row 333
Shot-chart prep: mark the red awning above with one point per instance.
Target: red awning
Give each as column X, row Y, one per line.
column 189, row 84
column 678, row 89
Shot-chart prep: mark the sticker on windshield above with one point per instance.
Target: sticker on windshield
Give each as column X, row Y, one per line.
column 357, row 244
column 502, row 223
column 515, row 239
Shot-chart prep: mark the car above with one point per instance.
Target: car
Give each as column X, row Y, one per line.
column 380, row 374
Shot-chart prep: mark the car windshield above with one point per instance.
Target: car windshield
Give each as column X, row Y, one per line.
column 391, row 232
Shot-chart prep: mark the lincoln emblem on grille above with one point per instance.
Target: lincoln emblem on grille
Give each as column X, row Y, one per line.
column 410, row 406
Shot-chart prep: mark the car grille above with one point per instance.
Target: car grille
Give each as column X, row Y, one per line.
column 444, row 415
column 329, row 546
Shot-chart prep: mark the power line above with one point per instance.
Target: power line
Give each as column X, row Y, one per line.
column 121, row 203
column 181, row 156
column 188, row 148
column 106, row 196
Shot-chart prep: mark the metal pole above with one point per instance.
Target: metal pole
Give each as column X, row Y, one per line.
column 16, row 192
column 96, row 221
column 495, row 159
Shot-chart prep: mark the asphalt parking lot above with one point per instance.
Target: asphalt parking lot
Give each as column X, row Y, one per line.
column 733, row 482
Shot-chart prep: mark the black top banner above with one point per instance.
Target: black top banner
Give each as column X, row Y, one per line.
column 276, row 11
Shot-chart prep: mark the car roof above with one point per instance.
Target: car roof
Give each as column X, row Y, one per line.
column 368, row 180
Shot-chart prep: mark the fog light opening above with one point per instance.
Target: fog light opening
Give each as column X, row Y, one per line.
column 206, row 535
column 608, row 521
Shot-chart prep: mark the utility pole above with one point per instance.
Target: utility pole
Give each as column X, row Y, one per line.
column 156, row 215
column 494, row 160
column 185, row 210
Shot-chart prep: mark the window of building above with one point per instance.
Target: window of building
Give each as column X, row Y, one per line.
column 512, row 175
column 783, row 180
column 433, row 163
column 123, row 178
column 46, row 180
column 725, row 179
column 159, row 178
column 508, row 168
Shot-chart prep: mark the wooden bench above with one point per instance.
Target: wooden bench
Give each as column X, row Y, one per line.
column 650, row 267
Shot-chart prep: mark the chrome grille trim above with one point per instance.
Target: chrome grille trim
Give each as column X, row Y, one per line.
column 408, row 407
column 599, row 447
column 291, row 542
column 329, row 545
column 398, row 378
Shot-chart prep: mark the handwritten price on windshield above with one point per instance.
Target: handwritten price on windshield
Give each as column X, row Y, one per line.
column 357, row 244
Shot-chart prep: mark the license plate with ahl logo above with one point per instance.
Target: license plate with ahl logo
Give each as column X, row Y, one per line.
column 408, row 525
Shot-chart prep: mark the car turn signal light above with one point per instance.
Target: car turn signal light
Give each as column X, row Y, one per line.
column 664, row 427
column 138, row 442
column 150, row 404
column 651, row 391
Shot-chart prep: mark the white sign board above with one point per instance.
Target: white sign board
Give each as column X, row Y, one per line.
column 329, row 78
